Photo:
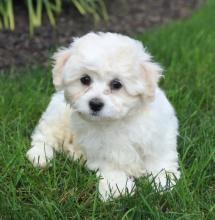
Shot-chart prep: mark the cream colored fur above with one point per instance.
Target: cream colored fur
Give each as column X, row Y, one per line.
column 134, row 134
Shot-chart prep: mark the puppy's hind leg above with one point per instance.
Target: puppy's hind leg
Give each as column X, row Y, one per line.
column 163, row 170
column 51, row 131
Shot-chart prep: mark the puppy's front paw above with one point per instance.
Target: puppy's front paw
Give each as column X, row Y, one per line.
column 114, row 186
column 40, row 155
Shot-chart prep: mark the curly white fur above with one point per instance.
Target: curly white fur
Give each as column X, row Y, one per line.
column 134, row 134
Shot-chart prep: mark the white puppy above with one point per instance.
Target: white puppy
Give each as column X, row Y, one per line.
column 109, row 110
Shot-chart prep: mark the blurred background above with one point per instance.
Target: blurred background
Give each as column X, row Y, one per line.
column 30, row 28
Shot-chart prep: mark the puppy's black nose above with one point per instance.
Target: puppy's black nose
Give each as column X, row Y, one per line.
column 96, row 104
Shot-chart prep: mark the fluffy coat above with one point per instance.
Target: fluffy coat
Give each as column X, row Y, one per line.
column 134, row 134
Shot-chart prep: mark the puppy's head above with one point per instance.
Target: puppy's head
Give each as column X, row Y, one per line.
column 105, row 75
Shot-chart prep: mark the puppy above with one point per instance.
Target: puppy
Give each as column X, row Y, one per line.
column 109, row 110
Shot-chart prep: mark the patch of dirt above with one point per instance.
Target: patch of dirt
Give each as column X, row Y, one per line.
column 125, row 16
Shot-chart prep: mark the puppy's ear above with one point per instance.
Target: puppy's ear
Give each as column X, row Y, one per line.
column 60, row 58
column 151, row 73
column 144, row 84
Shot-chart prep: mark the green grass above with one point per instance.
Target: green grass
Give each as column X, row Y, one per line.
column 67, row 190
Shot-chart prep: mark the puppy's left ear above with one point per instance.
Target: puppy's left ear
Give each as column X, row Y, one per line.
column 60, row 58
column 151, row 73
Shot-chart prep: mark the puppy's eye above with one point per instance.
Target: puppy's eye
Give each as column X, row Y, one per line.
column 86, row 80
column 115, row 84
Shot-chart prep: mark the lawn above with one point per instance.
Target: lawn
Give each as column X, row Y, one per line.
column 67, row 190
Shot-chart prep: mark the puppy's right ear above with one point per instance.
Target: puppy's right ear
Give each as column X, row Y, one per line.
column 60, row 58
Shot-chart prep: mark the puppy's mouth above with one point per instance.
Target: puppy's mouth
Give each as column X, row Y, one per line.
column 91, row 116
column 95, row 117
column 94, row 114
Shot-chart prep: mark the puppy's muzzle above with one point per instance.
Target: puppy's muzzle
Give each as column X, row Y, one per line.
column 96, row 104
